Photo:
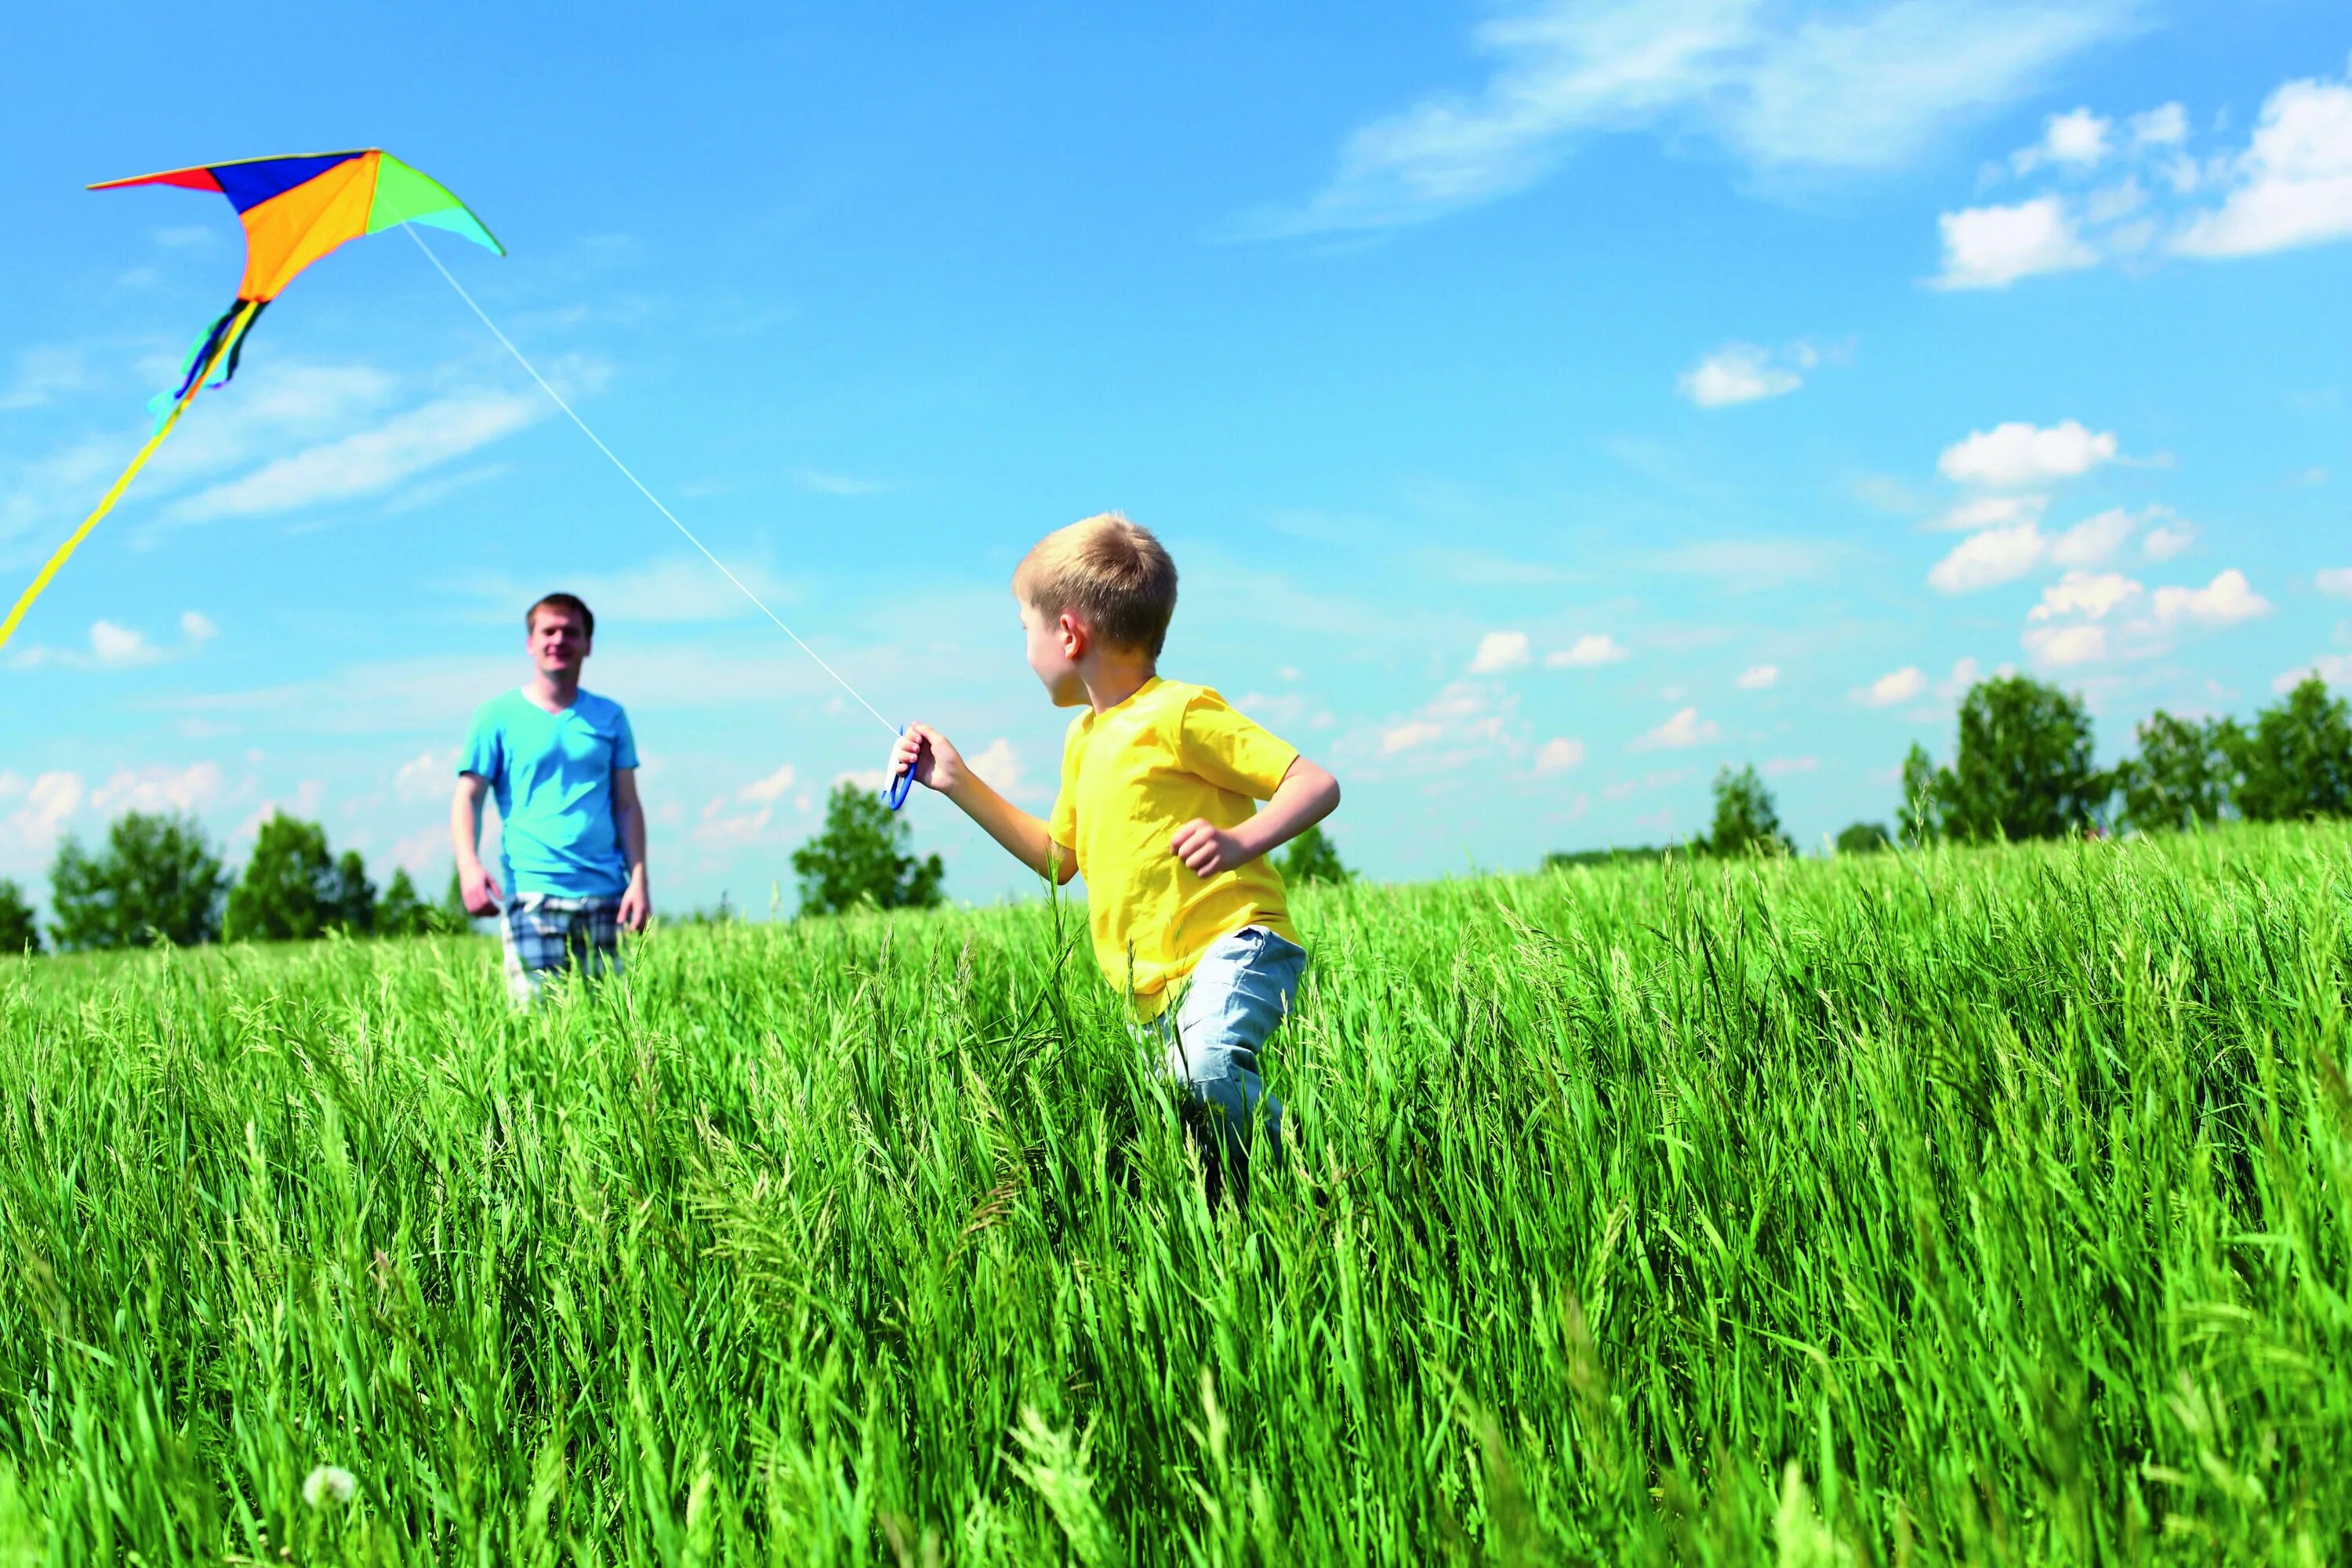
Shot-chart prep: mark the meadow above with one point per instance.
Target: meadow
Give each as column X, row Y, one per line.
column 1989, row 1206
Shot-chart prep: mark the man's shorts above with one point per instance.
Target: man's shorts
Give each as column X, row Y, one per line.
column 545, row 935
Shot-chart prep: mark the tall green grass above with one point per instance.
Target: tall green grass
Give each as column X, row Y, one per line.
column 1991, row 1206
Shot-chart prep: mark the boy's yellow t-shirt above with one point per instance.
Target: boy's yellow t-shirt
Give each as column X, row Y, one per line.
column 1132, row 775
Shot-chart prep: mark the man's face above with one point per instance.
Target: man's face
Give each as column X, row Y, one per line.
column 1055, row 647
column 557, row 641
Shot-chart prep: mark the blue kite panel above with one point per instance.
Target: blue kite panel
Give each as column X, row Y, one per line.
column 247, row 186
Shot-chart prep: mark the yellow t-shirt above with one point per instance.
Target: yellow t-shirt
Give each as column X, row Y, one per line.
column 1132, row 775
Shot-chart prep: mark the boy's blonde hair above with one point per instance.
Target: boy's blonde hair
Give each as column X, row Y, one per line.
column 1112, row 572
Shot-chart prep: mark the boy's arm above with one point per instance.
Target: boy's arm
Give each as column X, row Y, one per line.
column 938, row 765
column 629, row 826
column 1306, row 796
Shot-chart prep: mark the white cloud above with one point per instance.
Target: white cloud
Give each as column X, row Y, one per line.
column 864, row 778
column 2078, row 139
column 159, row 788
column 115, row 645
column 2335, row 580
column 367, row 463
column 1991, row 247
column 1990, row 511
column 183, row 236
column 2226, row 601
column 2018, row 454
column 1782, row 767
column 769, row 789
column 2335, row 668
column 45, row 373
column 1558, row 755
column 2164, row 126
column 197, row 628
column 1000, row 765
column 2058, row 646
column 1408, row 735
column 27, row 832
column 1984, row 560
column 2095, row 539
column 1759, row 678
column 1895, row 686
column 1500, row 651
column 428, row 775
column 2293, row 185
column 1685, row 729
column 1868, row 87
column 1738, row 372
column 1955, row 685
column 2087, row 594
column 1589, row 650
column 2166, row 540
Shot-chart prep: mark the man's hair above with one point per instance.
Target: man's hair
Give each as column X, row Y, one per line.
column 1112, row 572
column 572, row 603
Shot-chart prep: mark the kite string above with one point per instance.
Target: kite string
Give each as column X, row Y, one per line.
column 626, row 473
column 64, row 552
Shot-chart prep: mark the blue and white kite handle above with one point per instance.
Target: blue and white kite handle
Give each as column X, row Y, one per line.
column 901, row 784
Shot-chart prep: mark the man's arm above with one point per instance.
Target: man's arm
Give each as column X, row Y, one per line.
column 480, row 890
column 938, row 765
column 629, row 826
column 1306, row 796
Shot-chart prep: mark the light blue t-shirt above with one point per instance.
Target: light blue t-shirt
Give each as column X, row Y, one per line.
column 553, row 775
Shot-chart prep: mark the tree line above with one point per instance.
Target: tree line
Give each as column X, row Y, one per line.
column 156, row 878
column 2022, row 767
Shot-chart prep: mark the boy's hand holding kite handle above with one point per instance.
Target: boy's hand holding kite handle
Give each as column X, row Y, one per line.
column 933, row 762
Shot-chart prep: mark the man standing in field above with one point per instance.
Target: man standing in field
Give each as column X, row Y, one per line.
column 571, row 849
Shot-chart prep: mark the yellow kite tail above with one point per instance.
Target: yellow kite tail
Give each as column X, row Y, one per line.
column 106, row 503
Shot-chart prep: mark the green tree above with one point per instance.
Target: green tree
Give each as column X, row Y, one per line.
column 1313, row 857
column 452, row 909
column 18, row 932
column 156, row 879
column 1746, row 820
column 350, row 897
column 2183, row 776
column 2023, row 765
column 400, row 912
column 860, row 858
column 1862, row 838
column 2296, row 762
column 288, row 885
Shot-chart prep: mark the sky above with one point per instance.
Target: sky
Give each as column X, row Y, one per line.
column 1546, row 405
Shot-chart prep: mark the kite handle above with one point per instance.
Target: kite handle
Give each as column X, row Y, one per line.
column 901, row 784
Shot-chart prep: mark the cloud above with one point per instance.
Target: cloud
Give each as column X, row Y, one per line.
column 45, row 373
column 1759, row 678
column 2335, row 580
column 2017, row 454
column 1780, row 767
column 1984, row 560
column 2226, row 601
column 2086, row 594
column 1867, row 89
column 2335, row 668
column 1558, row 755
column 1409, row 734
column 2078, row 139
column 2293, row 185
column 1587, row 652
column 430, row 774
column 1751, row 565
column 676, row 590
column 2166, row 540
column 185, row 237
column 1472, row 718
column 769, row 789
column 2058, row 646
column 159, row 788
column 1990, row 511
column 2166, row 125
column 1895, row 686
column 29, row 831
column 1993, row 247
column 197, row 628
column 1500, row 651
column 1682, row 731
column 368, row 463
column 1738, row 373
column 115, row 645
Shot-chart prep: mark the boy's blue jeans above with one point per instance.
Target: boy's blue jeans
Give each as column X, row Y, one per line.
column 1239, row 992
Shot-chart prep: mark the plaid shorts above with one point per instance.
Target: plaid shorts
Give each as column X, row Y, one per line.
column 545, row 935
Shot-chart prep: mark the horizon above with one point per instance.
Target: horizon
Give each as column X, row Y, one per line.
column 1544, row 412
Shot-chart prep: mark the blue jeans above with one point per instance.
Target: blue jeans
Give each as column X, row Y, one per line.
column 1239, row 992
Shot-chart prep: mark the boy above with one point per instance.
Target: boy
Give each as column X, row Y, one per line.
column 1156, row 811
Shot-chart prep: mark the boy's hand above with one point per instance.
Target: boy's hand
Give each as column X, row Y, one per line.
column 935, row 763
column 481, row 891
column 1207, row 850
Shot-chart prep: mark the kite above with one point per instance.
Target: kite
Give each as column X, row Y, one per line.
column 295, row 210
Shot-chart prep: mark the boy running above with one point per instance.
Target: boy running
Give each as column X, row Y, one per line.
column 1157, row 811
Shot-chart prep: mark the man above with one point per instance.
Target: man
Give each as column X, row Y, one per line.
column 571, row 849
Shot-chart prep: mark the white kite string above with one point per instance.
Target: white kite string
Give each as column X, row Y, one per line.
column 633, row 478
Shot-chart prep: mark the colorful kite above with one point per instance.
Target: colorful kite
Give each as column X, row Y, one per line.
column 295, row 210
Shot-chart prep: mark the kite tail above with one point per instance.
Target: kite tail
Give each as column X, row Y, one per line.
column 231, row 330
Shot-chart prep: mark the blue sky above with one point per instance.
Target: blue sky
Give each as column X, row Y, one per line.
column 1546, row 405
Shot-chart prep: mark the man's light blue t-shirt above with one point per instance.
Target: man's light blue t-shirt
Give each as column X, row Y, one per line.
column 553, row 775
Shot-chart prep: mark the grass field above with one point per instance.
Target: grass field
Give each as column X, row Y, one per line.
column 1984, row 1205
